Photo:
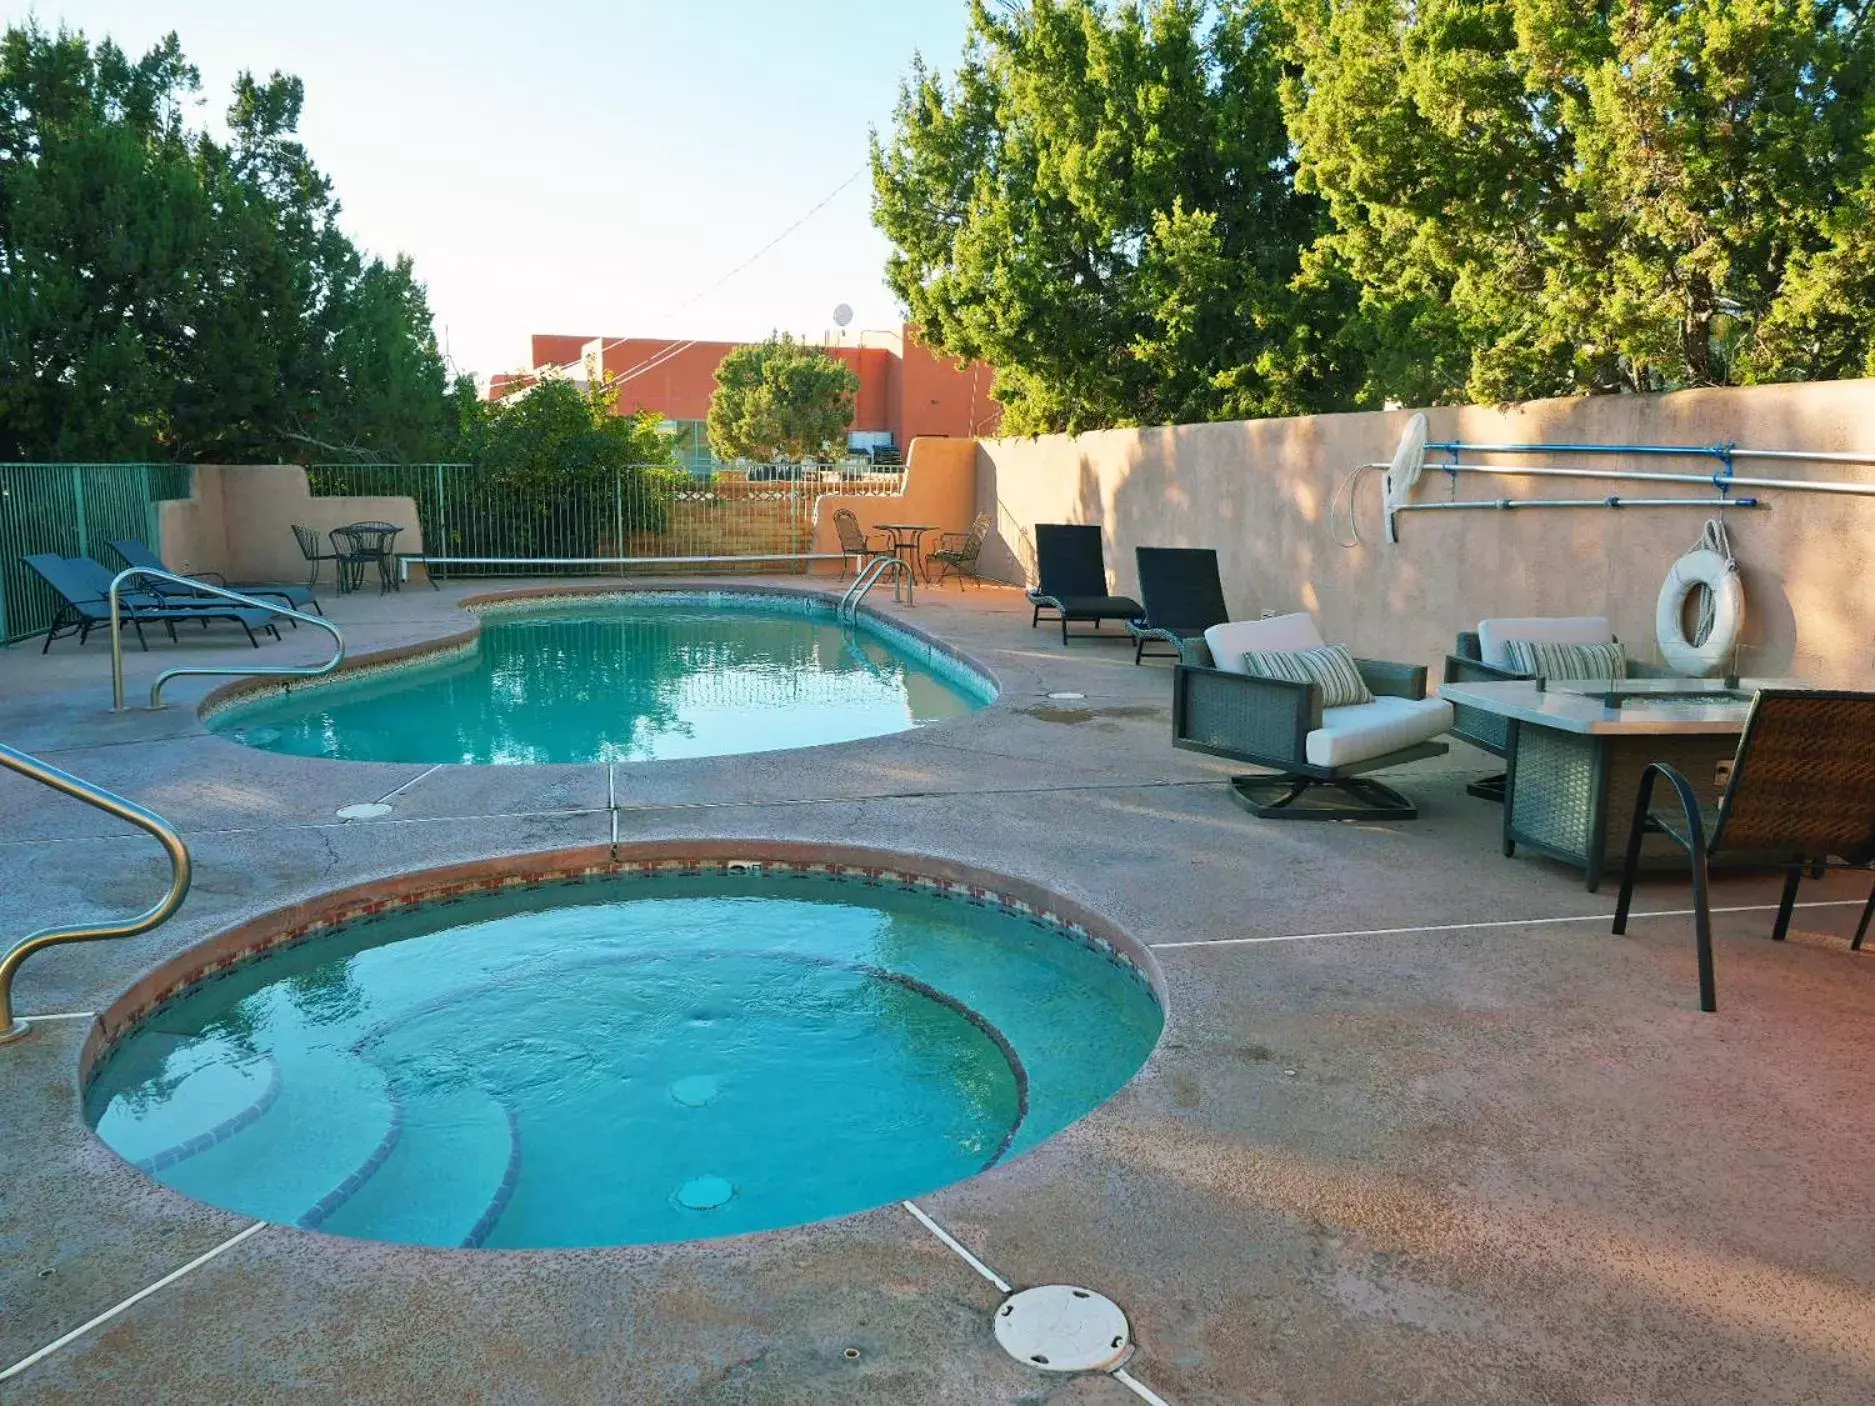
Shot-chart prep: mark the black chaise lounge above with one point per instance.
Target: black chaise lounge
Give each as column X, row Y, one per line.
column 138, row 553
column 1183, row 597
column 1073, row 570
column 83, row 588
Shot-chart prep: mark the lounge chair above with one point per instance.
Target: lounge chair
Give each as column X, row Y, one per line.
column 1801, row 796
column 1073, row 569
column 83, row 587
column 1484, row 655
column 137, row 553
column 1183, row 597
column 957, row 552
column 1312, row 745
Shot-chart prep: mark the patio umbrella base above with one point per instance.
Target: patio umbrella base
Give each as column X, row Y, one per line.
column 1310, row 798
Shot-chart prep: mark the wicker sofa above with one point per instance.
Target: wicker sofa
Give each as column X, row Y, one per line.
column 1221, row 709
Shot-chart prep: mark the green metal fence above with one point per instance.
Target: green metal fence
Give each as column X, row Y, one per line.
column 71, row 510
column 634, row 511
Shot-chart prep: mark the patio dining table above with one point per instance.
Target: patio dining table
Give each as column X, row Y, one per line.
column 1578, row 748
column 906, row 540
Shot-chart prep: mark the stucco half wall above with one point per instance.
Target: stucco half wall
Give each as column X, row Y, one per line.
column 1261, row 492
column 939, row 488
column 239, row 521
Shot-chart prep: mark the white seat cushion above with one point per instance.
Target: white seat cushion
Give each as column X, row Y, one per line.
column 1364, row 730
column 1544, row 629
column 1280, row 634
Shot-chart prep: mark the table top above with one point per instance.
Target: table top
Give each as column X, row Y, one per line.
column 1577, row 705
column 905, row 526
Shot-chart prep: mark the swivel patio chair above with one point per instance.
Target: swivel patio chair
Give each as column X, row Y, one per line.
column 1317, row 717
column 1183, row 597
column 855, row 545
column 83, row 588
column 1072, row 566
column 137, row 553
column 1489, row 654
column 1801, row 797
column 957, row 552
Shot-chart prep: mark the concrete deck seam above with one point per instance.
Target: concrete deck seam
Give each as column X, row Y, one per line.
column 25, row 1362
column 951, row 1241
column 1137, row 1387
column 411, row 782
column 1493, row 923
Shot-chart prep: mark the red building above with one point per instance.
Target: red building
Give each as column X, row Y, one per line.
column 905, row 389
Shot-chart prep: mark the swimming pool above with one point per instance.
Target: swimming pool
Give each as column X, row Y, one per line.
column 620, row 678
column 626, row 1060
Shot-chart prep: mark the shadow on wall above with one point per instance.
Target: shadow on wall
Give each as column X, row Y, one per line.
column 1295, row 530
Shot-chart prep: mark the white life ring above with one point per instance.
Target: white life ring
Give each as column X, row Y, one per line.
column 1719, row 575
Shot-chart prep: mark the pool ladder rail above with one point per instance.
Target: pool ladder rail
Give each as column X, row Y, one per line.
column 875, row 570
column 11, row 1026
column 202, row 588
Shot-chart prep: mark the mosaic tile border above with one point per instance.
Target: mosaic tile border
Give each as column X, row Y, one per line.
column 169, row 984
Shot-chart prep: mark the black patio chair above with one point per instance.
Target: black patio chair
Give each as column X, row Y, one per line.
column 1801, row 797
column 138, row 553
column 1072, row 565
column 83, row 587
column 957, row 552
column 855, row 545
column 308, row 539
column 362, row 544
column 1184, row 597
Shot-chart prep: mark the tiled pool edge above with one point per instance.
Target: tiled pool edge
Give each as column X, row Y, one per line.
column 226, row 952
column 942, row 658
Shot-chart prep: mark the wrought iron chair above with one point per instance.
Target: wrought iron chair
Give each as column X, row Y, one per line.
column 1801, row 797
column 957, row 552
column 362, row 544
column 855, row 546
column 308, row 539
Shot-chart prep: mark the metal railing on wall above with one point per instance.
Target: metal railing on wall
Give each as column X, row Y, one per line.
column 632, row 512
column 71, row 510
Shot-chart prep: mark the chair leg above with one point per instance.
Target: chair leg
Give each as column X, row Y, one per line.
column 1861, row 931
column 1793, row 876
column 1631, row 861
column 1702, row 928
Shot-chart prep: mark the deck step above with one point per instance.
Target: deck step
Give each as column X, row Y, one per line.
column 335, row 1119
column 448, row 1178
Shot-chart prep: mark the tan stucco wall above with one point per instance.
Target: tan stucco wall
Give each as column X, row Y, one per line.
column 239, row 521
column 939, row 488
column 1260, row 492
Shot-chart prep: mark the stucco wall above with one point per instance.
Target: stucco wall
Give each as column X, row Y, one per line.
column 940, row 486
column 1261, row 491
column 239, row 521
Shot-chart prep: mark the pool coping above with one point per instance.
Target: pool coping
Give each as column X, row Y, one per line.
column 238, row 693
column 223, row 953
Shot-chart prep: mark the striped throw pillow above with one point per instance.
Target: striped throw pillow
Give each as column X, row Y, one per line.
column 1330, row 668
column 1567, row 661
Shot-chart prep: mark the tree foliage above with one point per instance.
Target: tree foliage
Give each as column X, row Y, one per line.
column 1101, row 204
column 781, row 399
column 1545, row 197
column 165, row 295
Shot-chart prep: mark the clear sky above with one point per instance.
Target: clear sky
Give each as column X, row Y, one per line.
column 581, row 165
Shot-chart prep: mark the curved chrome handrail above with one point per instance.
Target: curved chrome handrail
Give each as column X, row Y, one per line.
column 12, row 1028
column 848, row 609
column 202, row 588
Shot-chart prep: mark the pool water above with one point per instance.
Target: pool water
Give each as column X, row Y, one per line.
column 623, row 680
column 624, row 1061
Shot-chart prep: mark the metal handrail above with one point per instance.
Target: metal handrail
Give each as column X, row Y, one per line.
column 848, row 608
column 11, row 1027
column 202, row 588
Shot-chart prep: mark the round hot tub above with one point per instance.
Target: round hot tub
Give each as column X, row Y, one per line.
column 667, row 1049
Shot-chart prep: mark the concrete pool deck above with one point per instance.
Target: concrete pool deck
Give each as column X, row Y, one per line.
column 1419, row 1129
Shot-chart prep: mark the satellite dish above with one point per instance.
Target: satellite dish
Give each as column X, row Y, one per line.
column 842, row 315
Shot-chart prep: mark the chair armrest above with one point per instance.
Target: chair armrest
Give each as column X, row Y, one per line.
column 1266, row 721
column 1383, row 676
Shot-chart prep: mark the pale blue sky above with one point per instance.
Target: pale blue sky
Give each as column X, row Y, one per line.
column 581, row 167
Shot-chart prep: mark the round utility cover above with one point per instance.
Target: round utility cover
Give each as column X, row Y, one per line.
column 1062, row 1328
column 1065, row 696
column 704, row 1193
column 695, row 1090
column 369, row 810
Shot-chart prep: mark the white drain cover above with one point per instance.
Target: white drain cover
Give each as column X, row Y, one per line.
column 369, row 810
column 1066, row 696
column 704, row 1193
column 1062, row 1328
column 695, row 1090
